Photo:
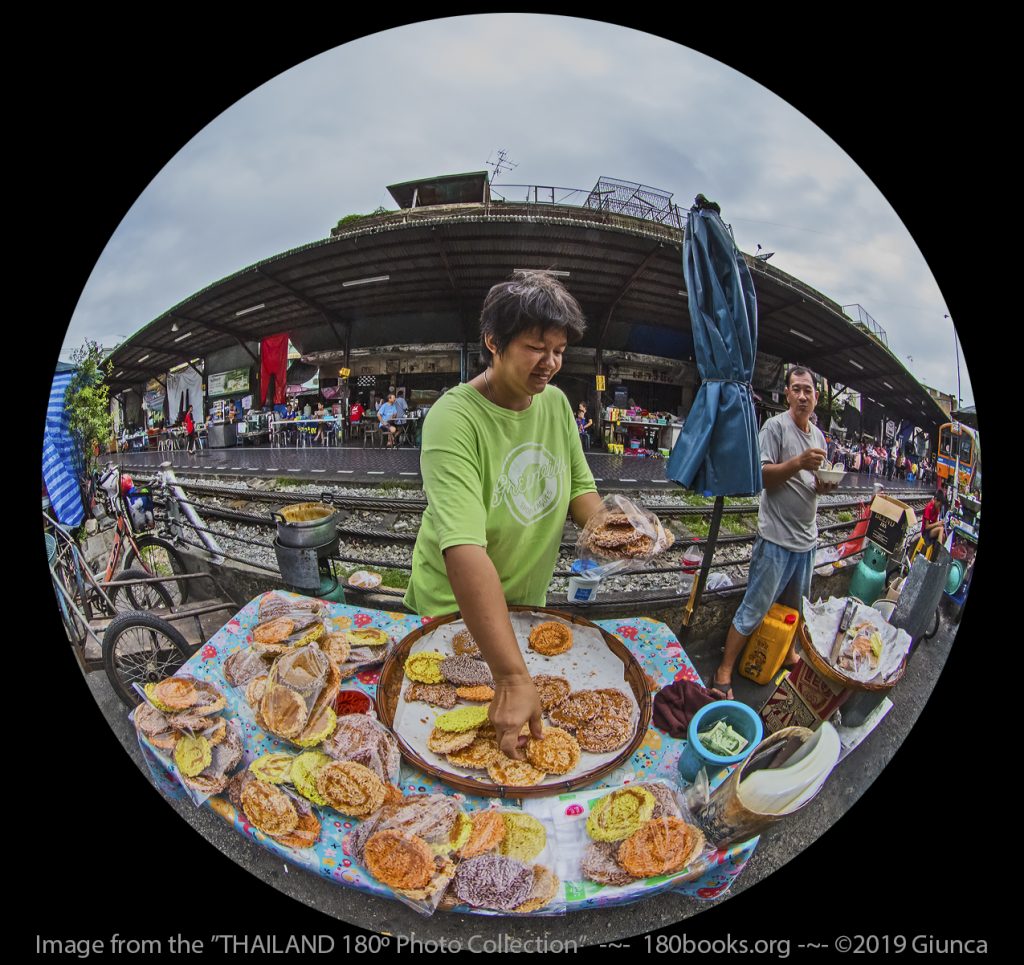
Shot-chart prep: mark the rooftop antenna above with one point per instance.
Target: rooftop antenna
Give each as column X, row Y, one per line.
column 765, row 256
column 502, row 164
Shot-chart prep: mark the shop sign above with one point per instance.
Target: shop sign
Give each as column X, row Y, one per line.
column 232, row 382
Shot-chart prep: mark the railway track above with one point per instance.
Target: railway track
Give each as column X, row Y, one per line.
column 367, row 545
column 351, row 503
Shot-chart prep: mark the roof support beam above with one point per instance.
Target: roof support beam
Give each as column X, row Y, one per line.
column 221, row 329
column 463, row 319
column 622, row 292
column 328, row 315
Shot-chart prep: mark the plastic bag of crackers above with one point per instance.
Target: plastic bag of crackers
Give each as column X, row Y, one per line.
column 249, row 663
column 294, row 701
column 620, row 536
column 507, row 866
column 180, row 720
column 354, row 773
column 285, row 623
column 639, row 831
column 412, row 845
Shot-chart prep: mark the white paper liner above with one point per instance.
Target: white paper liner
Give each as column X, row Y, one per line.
column 822, row 619
column 589, row 665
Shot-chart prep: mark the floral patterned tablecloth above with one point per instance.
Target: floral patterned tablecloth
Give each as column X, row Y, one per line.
column 652, row 643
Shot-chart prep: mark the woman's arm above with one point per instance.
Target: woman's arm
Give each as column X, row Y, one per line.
column 583, row 507
column 478, row 592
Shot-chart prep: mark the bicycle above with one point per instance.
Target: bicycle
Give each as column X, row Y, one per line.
column 116, row 593
column 153, row 554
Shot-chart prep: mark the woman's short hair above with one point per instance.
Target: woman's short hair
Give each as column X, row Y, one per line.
column 530, row 299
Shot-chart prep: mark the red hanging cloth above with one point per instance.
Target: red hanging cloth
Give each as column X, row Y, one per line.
column 274, row 362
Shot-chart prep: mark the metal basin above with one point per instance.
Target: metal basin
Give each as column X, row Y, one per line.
column 306, row 525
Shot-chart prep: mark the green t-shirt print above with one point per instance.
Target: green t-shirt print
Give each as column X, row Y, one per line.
column 498, row 479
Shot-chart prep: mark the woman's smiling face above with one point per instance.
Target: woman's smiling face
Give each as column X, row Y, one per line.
column 531, row 360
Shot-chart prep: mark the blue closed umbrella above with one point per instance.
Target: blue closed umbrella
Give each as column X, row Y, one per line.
column 718, row 450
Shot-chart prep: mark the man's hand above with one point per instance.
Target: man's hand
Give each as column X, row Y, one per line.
column 516, row 702
column 811, row 459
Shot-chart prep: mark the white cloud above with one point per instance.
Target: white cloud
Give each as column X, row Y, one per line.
column 570, row 100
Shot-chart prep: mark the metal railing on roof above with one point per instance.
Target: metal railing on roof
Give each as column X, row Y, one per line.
column 608, row 195
column 862, row 320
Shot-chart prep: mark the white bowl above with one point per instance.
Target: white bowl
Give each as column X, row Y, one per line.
column 829, row 475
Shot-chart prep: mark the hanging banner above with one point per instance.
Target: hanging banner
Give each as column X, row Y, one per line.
column 232, row 382
column 155, row 396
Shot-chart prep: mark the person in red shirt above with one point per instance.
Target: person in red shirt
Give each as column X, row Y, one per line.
column 932, row 528
column 190, row 429
column 355, row 414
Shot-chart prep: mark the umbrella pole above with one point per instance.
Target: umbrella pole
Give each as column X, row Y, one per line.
column 705, row 567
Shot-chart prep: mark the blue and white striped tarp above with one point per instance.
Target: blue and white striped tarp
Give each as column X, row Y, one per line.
column 60, row 457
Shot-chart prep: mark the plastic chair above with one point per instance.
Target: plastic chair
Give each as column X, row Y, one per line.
column 373, row 434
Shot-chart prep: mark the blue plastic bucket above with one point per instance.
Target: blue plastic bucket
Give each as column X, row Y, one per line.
column 743, row 719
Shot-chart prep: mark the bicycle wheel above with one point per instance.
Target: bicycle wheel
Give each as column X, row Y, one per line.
column 73, row 625
column 140, row 648
column 160, row 558
column 143, row 596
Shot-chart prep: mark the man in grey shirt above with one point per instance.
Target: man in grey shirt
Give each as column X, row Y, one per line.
column 792, row 447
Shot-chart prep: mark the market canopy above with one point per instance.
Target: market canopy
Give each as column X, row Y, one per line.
column 422, row 273
column 717, row 451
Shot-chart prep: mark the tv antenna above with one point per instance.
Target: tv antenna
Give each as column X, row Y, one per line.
column 502, row 164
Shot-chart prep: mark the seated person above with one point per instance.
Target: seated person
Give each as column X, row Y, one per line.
column 932, row 529
column 387, row 416
column 403, row 409
column 320, row 414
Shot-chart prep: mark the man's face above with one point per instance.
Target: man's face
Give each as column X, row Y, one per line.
column 801, row 396
column 391, row 399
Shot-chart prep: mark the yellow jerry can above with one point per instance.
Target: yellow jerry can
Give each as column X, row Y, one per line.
column 768, row 645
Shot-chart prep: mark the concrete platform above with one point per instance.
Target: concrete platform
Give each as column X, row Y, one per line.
column 369, row 466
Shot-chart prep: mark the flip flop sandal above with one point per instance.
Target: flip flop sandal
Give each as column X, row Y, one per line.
column 723, row 688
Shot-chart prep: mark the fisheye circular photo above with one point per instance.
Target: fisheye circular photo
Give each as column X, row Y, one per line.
column 511, row 482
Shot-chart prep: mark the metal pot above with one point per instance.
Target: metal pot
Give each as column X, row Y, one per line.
column 306, row 525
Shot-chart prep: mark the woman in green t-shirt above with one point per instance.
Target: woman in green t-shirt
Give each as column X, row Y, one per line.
column 502, row 464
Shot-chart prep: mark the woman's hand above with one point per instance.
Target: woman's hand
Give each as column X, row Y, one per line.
column 516, row 702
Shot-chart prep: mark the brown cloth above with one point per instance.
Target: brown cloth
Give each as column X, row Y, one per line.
column 676, row 704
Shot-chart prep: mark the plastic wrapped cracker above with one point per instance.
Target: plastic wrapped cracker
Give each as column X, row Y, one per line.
column 412, row 847
column 616, row 816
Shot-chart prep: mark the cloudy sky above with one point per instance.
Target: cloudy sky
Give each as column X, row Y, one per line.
column 570, row 100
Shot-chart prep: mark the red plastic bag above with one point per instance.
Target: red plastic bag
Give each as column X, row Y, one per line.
column 856, row 541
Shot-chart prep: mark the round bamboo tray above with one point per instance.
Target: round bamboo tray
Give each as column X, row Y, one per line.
column 392, row 679
column 823, row 669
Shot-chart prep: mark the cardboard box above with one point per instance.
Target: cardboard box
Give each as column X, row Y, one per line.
column 802, row 699
column 889, row 521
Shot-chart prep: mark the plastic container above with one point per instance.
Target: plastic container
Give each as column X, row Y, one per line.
column 766, row 650
column 692, row 559
column 743, row 719
column 582, row 587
